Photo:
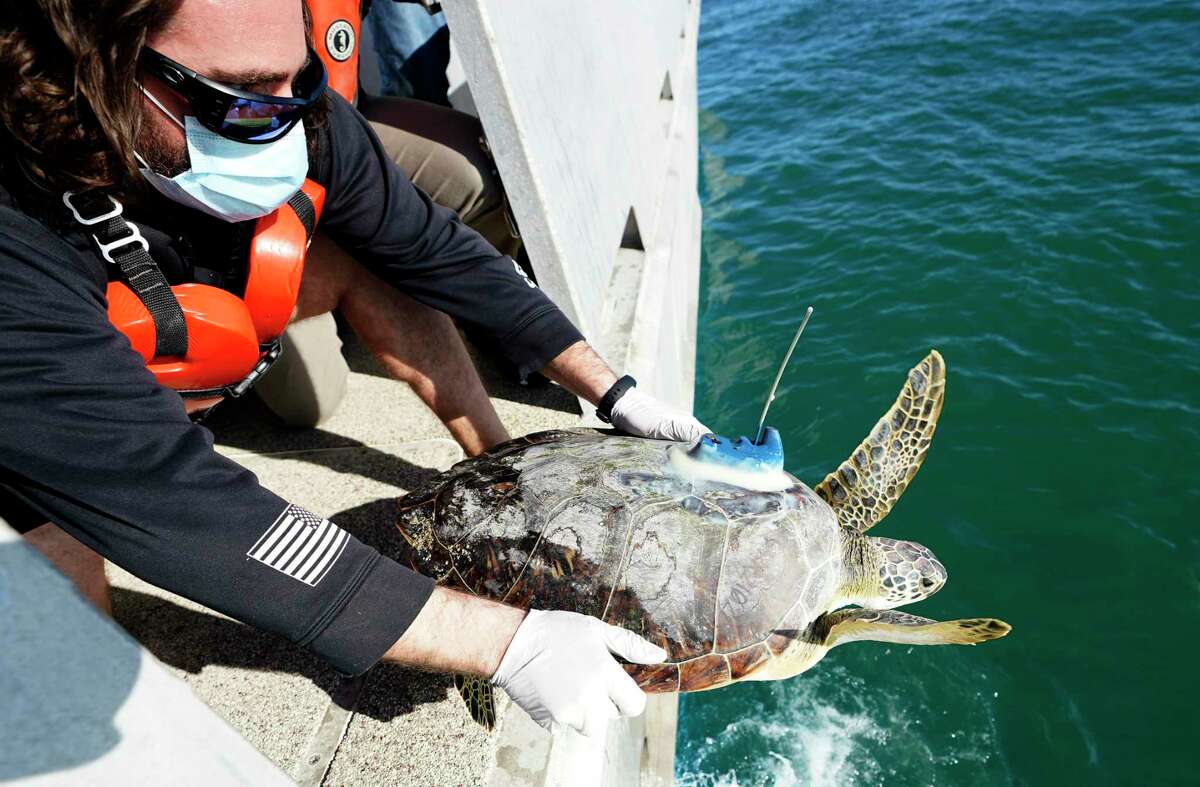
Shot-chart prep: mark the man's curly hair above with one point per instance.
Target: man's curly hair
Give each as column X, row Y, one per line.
column 69, row 98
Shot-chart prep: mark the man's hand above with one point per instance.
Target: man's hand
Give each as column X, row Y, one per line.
column 558, row 666
column 560, row 670
column 644, row 416
column 584, row 373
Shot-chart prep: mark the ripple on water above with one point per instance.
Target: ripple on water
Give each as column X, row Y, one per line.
column 1016, row 184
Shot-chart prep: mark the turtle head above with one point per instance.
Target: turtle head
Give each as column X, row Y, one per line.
column 895, row 573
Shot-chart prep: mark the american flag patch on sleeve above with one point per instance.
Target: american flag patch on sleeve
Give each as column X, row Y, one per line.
column 300, row 544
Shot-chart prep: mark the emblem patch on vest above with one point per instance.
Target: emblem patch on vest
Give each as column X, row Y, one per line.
column 339, row 40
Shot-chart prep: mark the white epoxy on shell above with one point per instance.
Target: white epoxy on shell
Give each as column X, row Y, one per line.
column 758, row 481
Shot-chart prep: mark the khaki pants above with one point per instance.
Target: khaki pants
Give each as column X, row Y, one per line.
column 443, row 153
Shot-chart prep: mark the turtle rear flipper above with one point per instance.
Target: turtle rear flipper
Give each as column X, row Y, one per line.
column 480, row 698
column 888, row 625
column 865, row 487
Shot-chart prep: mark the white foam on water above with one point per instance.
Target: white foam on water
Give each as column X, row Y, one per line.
column 837, row 727
column 818, row 747
column 828, row 743
column 808, row 741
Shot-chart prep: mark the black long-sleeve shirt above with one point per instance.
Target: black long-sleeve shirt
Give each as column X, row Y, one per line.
column 91, row 442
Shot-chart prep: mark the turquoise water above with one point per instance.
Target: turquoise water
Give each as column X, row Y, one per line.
column 1018, row 185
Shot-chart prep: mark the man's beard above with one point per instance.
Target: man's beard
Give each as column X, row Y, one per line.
column 163, row 153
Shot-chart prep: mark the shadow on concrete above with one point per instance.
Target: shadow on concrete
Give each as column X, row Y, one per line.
column 62, row 685
column 374, row 464
column 248, row 425
column 191, row 640
column 497, row 375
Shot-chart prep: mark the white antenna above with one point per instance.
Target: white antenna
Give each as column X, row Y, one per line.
column 779, row 375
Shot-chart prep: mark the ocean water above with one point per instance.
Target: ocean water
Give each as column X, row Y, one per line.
column 1018, row 185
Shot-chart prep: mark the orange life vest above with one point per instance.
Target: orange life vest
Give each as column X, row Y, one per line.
column 336, row 25
column 228, row 342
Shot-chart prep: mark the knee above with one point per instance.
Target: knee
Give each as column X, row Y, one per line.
column 457, row 176
column 441, row 150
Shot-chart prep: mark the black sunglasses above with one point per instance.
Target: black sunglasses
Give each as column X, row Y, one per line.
column 239, row 115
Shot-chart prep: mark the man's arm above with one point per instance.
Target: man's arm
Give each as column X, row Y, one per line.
column 421, row 248
column 456, row 632
column 584, row 373
column 91, row 441
column 557, row 666
column 377, row 215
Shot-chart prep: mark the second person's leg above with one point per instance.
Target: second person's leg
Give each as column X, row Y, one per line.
column 414, row 343
column 443, row 153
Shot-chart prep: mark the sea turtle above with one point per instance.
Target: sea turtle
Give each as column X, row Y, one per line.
column 736, row 584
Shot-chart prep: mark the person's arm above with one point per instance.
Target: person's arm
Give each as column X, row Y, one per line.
column 558, row 666
column 376, row 214
column 584, row 373
column 91, row 441
column 581, row 371
column 456, row 632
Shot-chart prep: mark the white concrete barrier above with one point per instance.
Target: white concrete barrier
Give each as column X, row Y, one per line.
column 82, row 703
column 590, row 110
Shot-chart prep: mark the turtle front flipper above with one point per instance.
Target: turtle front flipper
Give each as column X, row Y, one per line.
column 888, row 625
column 865, row 487
column 480, row 698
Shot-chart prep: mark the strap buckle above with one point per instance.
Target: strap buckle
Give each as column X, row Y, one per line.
column 117, row 209
column 262, row 367
column 107, row 249
column 271, row 353
column 134, row 237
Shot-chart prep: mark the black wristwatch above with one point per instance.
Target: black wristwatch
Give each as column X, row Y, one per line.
column 604, row 409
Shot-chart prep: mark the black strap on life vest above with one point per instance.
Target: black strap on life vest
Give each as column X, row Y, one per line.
column 122, row 243
column 305, row 211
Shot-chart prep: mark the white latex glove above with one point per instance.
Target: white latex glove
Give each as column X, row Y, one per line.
column 642, row 415
column 558, row 668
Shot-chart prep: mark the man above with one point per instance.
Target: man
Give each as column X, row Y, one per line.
column 97, row 459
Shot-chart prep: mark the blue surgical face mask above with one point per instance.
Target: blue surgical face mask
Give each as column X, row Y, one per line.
column 232, row 180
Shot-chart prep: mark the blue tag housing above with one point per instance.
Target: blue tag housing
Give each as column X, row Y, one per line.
column 742, row 454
